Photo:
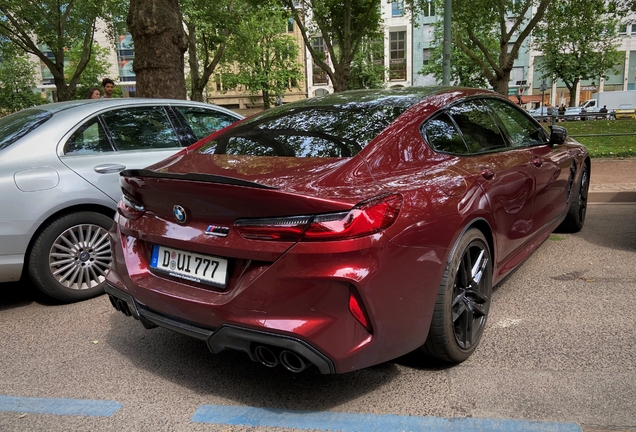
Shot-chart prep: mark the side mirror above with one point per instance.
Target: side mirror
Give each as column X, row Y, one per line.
column 558, row 134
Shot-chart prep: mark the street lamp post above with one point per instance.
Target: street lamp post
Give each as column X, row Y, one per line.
column 543, row 87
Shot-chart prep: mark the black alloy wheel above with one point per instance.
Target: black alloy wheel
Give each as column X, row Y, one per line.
column 463, row 301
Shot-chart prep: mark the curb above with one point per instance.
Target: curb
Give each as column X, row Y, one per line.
column 612, row 197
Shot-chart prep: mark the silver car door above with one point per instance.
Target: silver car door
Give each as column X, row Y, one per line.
column 125, row 138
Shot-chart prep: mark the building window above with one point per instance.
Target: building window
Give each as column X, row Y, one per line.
column 622, row 29
column 290, row 25
column 318, row 74
column 429, row 9
column 47, row 76
column 426, row 56
column 125, row 57
column 397, row 66
column 397, row 8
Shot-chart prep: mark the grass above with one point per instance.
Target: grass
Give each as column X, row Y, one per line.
column 605, row 145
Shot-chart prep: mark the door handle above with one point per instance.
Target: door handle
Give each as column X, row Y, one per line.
column 487, row 172
column 109, row 168
column 537, row 161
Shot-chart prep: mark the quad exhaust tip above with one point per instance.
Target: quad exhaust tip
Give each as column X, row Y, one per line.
column 120, row 305
column 272, row 357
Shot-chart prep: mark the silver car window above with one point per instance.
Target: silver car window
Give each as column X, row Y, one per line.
column 140, row 128
column 90, row 138
column 203, row 122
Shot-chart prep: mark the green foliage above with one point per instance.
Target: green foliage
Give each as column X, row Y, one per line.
column 611, row 138
column 265, row 56
column 54, row 26
column 97, row 67
column 17, row 83
column 209, row 26
column 343, row 27
column 578, row 39
column 366, row 71
column 491, row 34
column 464, row 71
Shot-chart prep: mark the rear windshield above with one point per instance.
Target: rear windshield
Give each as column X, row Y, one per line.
column 15, row 126
column 309, row 131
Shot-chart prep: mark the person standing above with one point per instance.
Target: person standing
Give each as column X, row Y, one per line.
column 109, row 86
column 93, row 93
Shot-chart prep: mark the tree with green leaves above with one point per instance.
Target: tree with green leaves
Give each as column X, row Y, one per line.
column 97, row 67
column 160, row 44
column 263, row 57
column 17, row 82
column 208, row 25
column 463, row 70
column 367, row 67
column 479, row 26
column 578, row 39
column 343, row 26
column 50, row 28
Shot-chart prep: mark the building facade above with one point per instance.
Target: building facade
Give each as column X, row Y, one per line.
column 406, row 49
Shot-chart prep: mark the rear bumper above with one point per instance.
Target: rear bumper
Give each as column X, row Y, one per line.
column 222, row 338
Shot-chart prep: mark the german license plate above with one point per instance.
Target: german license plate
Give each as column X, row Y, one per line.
column 190, row 266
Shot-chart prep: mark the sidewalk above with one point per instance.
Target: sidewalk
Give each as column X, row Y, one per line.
column 613, row 180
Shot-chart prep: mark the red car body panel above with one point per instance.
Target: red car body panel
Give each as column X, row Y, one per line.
column 301, row 289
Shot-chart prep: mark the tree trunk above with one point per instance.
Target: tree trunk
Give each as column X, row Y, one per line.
column 341, row 78
column 160, row 44
column 501, row 82
column 196, row 86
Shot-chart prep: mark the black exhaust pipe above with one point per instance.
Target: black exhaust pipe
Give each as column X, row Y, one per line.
column 120, row 305
column 293, row 362
column 266, row 356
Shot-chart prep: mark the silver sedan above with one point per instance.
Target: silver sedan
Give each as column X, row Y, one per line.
column 59, row 181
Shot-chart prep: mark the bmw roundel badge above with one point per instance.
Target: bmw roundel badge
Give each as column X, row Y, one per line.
column 179, row 213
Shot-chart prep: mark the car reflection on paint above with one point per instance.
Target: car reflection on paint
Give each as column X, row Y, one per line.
column 361, row 226
column 59, row 180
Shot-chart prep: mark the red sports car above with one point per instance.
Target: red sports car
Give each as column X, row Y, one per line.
column 346, row 230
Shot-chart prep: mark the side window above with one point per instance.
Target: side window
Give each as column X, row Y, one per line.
column 441, row 134
column 203, row 122
column 90, row 138
column 521, row 130
column 141, row 128
column 479, row 129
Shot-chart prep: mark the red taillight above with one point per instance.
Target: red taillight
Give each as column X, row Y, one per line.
column 281, row 229
column 358, row 311
column 129, row 208
column 366, row 218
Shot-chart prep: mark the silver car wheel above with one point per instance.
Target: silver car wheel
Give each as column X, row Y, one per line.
column 80, row 257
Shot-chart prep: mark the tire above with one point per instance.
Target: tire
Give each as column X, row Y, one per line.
column 463, row 301
column 71, row 256
column 575, row 218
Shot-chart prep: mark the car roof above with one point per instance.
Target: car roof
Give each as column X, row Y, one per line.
column 105, row 103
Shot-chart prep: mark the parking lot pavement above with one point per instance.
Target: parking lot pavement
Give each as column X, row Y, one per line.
column 613, row 180
column 558, row 351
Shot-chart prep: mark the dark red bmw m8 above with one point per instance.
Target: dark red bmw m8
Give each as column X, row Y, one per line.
column 343, row 231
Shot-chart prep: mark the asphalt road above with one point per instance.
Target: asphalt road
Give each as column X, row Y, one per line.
column 560, row 347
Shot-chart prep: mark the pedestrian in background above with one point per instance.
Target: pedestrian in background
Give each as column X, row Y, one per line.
column 109, row 86
column 93, row 93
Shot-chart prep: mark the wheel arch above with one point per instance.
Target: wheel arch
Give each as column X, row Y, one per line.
column 96, row 208
column 482, row 225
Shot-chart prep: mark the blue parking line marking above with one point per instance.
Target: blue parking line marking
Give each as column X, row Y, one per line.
column 80, row 407
column 350, row 422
